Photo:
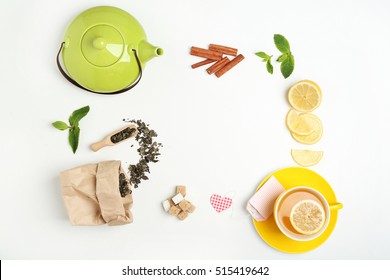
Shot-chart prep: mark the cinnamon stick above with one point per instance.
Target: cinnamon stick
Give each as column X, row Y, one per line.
column 223, row 49
column 230, row 65
column 218, row 65
column 206, row 53
column 203, row 62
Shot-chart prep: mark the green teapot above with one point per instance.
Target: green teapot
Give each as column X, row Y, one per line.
column 105, row 50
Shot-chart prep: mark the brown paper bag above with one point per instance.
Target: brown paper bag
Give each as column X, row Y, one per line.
column 91, row 195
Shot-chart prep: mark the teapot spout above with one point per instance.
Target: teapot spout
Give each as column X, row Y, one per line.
column 147, row 51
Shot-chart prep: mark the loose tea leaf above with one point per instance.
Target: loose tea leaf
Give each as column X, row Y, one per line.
column 124, row 185
column 74, row 129
column 149, row 150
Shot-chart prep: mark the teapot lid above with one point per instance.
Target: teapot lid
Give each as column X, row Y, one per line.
column 102, row 45
column 100, row 48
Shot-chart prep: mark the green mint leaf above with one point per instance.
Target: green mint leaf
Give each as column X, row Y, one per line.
column 281, row 43
column 270, row 68
column 282, row 58
column 263, row 55
column 266, row 58
column 287, row 66
column 78, row 115
column 60, row 125
column 74, row 135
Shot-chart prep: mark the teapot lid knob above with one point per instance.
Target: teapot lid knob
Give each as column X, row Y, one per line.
column 99, row 43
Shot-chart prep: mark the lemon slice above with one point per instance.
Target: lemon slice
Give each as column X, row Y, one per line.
column 305, row 96
column 307, row 217
column 296, row 124
column 315, row 124
column 306, row 157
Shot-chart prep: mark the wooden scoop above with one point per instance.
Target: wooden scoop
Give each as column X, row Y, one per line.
column 116, row 137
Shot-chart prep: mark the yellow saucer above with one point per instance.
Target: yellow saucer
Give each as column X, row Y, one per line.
column 289, row 178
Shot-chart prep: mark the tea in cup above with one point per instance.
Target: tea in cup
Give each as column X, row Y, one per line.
column 302, row 213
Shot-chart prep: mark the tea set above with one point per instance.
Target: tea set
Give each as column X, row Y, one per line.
column 105, row 50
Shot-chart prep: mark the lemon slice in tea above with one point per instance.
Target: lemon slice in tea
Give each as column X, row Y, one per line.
column 307, row 217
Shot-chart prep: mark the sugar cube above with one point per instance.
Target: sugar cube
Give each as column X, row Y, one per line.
column 177, row 198
column 166, row 205
column 182, row 215
column 192, row 208
column 174, row 210
column 184, row 205
column 181, row 189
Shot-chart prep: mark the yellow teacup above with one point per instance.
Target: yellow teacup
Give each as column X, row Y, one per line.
column 286, row 202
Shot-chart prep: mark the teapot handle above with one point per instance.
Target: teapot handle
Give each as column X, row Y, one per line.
column 109, row 93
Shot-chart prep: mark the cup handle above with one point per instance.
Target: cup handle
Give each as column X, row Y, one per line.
column 336, row 206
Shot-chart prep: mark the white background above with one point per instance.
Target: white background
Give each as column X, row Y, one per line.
column 220, row 135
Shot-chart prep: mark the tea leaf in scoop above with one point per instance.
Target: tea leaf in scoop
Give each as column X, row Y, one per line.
column 74, row 135
column 78, row 115
column 60, row 125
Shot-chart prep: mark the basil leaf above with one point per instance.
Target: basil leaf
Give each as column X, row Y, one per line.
column 270, row 68
column 287, row 66
column 282, row 58
column 262, row 55
column 60, row 125
column 78, row 115
column 74, row 135
column 281, row 43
